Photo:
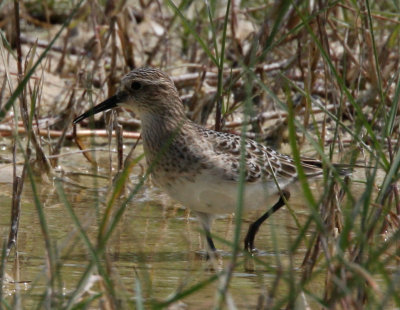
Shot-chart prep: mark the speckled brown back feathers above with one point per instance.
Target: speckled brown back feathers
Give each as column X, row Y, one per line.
column 262, row 163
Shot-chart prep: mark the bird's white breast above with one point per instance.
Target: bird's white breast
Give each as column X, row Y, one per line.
column 205, row 193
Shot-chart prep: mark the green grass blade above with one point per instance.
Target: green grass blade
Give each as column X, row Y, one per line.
column 391, row 119
column 390, row 178
column 193, row 31
column 83, row 235
column 138, row 293
column 193, row 289
column 212, row 28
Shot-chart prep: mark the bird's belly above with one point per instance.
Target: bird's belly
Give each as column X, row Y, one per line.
column 204, row 194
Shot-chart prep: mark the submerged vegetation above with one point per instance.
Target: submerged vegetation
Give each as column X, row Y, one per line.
column 87, row 229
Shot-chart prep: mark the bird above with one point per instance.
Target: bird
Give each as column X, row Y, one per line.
column 199, row 167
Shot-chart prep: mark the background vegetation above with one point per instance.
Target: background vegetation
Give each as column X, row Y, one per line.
column 313, row 78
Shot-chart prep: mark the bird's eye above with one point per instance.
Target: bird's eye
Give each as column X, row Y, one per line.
column 136, row 86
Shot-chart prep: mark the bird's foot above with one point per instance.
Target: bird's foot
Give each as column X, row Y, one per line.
column 252, row 250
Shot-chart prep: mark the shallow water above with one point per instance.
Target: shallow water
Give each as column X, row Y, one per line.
column 157, row 243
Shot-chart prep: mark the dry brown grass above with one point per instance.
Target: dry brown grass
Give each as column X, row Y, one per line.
column 335, row 66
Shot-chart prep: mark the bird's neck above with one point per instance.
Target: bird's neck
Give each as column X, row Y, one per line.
column 160, row 130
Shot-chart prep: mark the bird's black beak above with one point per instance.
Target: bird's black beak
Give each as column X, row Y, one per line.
column 108, row 104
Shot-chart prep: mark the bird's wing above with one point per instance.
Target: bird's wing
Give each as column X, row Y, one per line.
column 261, row 163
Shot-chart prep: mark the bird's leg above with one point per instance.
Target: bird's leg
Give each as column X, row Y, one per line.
column 210, row 241
column 206, row 220
column 253, row 229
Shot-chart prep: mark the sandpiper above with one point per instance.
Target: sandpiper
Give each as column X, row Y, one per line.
column 198, row 167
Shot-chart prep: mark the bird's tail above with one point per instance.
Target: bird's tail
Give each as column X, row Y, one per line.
column 342, row 169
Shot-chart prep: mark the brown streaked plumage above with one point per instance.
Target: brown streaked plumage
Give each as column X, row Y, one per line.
column 200, row 167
